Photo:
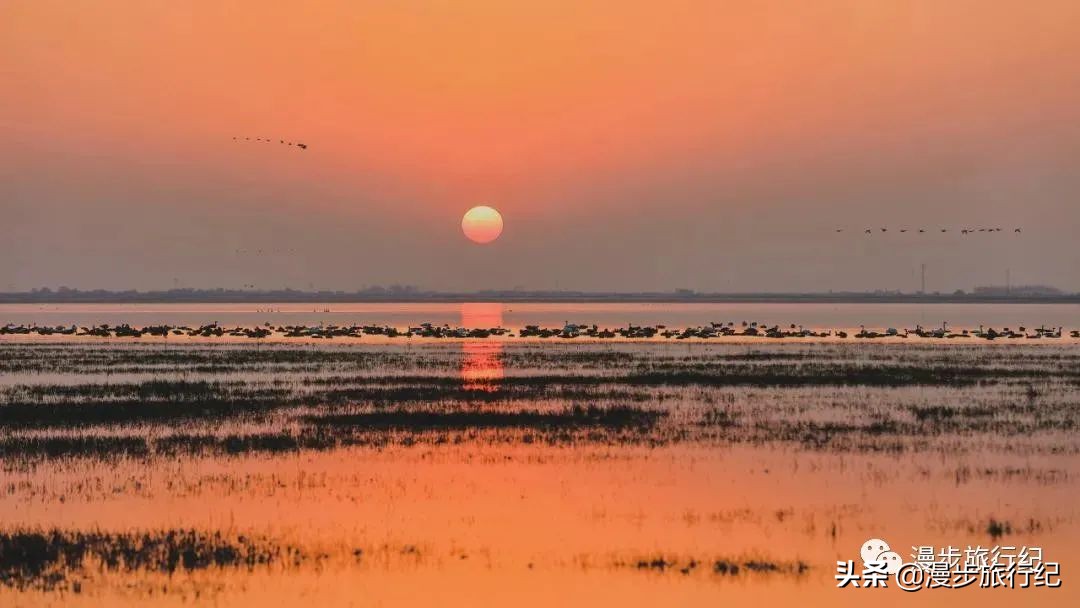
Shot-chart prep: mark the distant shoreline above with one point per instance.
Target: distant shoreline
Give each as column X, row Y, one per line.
column 201, row 296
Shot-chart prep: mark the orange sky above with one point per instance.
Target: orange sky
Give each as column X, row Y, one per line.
column 633, row 119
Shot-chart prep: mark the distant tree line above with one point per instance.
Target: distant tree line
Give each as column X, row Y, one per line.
column 410, row 293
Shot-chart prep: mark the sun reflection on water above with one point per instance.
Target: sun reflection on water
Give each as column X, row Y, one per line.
column 481, row 359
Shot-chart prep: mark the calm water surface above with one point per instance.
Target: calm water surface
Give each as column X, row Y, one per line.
column 749, row 457
column 517, row 315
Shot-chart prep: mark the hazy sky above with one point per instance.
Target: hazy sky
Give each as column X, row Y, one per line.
column 629, row 145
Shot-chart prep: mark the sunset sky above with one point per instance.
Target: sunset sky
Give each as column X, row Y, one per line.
column 628, row 145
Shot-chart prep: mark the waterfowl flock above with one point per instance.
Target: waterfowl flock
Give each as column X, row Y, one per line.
column 267, row 140
column 943, row 230
column 567, row 331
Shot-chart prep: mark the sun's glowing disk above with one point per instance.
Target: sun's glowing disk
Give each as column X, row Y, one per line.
column 482, row 224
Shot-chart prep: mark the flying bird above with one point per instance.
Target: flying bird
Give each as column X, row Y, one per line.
column 270, row 141
column 964, row 231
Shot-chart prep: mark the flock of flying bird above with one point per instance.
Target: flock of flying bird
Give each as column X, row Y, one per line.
column 304, row 146
column 270, row 141
column 962, row 230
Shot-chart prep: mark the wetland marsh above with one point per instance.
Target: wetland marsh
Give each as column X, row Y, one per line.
column 535, row 473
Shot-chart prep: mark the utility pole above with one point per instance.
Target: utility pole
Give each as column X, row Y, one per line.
column 1008, row 281
column 923, row 277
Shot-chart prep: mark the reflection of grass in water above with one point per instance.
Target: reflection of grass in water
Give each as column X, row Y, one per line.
column 1001, row 525
column 64, row 560
column 721, row 566
column 58, row 447
column 570, row 418
column 49, row 559
column 156, row 401
column 996, row 529
column 127, row 358
column 327, row 431
column 768, row 418
column 76, row 414
column 826, row 397
column 80, row 405
column 124, row 358
column 938, row 414
column 311, row 402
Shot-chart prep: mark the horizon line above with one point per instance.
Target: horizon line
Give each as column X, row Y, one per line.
column 405, row 294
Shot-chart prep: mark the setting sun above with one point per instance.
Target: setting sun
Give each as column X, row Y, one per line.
column 482, row 224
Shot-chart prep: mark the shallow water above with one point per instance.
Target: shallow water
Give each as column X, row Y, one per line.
column 784, row 454
column 517, row 315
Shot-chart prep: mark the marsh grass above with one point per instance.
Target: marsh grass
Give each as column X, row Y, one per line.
column 170, row 399
column 53, row 559
column 728, row 567
column 576, row 417
column 631, row 443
